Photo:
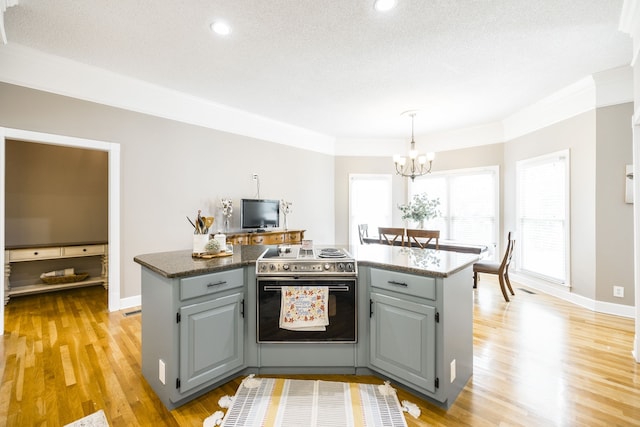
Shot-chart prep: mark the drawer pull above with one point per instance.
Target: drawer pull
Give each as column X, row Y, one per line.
column 35, row 253
column 222, row 282
column 84, row 249
column 393, row 282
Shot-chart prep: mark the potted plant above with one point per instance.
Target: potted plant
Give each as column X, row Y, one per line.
column 420, row 209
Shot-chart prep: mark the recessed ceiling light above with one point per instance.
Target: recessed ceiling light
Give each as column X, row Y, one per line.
column 221, row 28
column 384, row 5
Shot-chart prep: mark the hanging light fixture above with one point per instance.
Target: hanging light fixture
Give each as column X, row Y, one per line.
column 414, row 164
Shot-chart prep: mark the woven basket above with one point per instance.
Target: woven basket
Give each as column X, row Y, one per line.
column 57, row 280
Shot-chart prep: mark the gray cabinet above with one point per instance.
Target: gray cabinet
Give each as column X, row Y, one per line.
column 192, row 332
column 211, row 340
column 403, row 337
column 421, row 331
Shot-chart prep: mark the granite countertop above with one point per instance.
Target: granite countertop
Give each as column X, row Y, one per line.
column 182, row 264
column 429, row 262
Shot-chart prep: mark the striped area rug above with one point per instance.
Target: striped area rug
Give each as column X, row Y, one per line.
column 294, row 403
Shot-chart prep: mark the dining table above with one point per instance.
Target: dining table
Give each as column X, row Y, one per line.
column 443, row 245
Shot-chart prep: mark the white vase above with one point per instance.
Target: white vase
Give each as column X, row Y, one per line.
column 200, row 243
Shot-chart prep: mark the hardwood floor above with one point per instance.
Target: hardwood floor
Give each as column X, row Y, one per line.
column 538, row 361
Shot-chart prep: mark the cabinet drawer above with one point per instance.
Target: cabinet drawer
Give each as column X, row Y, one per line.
column 83, row 250
column 410, row 284
column 33, row 254
column 196, row 286
column 293, row 237
column 274, row 239
column 237, row 240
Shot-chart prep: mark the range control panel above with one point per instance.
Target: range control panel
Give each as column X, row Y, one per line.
column 295, row 267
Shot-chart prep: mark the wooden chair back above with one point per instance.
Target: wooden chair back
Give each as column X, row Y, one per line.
column 389, row 235
column 500, row 269
column 363, row 231
column 426, row 235
column 508, row 253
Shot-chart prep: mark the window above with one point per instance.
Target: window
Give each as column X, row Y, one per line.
column 468, row 204
column 543, row 216
column 369, row 203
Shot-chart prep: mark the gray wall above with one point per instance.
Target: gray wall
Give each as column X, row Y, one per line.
column 614, row 217
column 601, row 223
column 578, row 135
column 54, row 195
column 170, row 170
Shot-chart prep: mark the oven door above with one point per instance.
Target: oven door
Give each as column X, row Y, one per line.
column 341, row 310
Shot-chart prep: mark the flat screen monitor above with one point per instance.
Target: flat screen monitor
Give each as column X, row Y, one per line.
column 260, row 213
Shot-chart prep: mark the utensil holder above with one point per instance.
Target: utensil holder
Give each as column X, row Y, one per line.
column 199, row 243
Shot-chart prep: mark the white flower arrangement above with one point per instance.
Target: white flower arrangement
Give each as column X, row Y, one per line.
column 227, row 207
column 285, row 207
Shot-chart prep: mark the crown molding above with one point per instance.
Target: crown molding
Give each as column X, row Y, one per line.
column 29, row 68
column 26, row 67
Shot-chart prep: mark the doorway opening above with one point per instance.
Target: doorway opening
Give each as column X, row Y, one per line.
column 113, row 151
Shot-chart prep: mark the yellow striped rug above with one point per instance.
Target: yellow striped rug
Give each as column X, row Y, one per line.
column 283, row 402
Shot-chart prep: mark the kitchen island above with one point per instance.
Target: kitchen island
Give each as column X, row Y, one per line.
column 415, row 323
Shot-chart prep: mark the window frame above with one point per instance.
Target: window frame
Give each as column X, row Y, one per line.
column 452, row 173
column 353, row 224
column 564, row 155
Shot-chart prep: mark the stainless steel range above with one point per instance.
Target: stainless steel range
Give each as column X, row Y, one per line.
column 293, row 260
column 306, row 295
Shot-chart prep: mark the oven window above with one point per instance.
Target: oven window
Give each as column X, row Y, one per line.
column 341, row 310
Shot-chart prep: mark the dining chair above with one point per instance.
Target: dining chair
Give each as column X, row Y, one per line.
column 500, row 269
column 389, row 235
column 363, row 231
column 429, row 235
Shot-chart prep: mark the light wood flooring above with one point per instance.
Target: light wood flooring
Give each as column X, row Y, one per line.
column 538, row 361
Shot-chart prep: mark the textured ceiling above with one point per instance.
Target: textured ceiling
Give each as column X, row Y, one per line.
column 337, row 66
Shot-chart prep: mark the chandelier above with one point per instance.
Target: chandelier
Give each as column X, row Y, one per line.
column 414, row 164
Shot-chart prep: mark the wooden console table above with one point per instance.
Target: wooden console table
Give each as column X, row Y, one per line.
column 275, row 237
column 34, row 253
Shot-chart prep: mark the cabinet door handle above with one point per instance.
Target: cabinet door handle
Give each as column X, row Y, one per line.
column 393, row 282
column 211, row 285
column 370, row 308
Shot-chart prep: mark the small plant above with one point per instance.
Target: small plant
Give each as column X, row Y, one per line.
column 420, row 209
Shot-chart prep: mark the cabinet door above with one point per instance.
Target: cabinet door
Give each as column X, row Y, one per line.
column 403, row 339
column 211, row 340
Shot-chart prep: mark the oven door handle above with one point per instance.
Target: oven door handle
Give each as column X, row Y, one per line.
column 339, row 288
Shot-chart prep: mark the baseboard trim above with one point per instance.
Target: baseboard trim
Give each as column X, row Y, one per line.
column 130, row 302
column 565, row 294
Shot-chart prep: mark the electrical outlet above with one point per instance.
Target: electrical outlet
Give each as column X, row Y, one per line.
column 161, row 371
column 618, row 291
column 254, row 176
column 453, row 370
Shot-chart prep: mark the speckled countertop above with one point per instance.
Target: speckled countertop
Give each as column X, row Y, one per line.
column 182, row 264
column 428, row 262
